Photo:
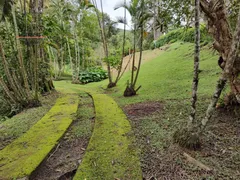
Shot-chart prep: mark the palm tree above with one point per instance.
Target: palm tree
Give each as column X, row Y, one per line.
column 123, row 21
column 190, row 137
column 137, row 10
column 186, row 137
column 196, row 64
column 104, row 40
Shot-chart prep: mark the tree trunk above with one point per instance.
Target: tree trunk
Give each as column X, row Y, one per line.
column 104, row 41
column 227, row 73
column 8, row 74
column 69, row 53
column 7, row 91
column 219, row 28
column 190, row 137
column 140, row 57
column 20, row 56
column 123, row 48
column 134, row 56
column 196, row 65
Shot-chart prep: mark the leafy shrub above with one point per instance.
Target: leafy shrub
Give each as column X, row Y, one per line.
column 93, row 75
column 186, row 35
column 114, row 60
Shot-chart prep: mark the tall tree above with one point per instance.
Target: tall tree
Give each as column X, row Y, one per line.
column 24, row 62
column 219, row 27
column 139, row 14
column 124, row 21
column 190, row 137
column 104, row 40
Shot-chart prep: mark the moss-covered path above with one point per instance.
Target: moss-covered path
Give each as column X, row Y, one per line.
column 110, row 154
column 21, row 158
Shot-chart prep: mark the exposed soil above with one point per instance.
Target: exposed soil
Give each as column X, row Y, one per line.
column 220, row 146
column 63, row 161
column 142, row 109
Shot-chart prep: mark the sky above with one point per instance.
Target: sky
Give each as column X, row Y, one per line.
column 108, row 7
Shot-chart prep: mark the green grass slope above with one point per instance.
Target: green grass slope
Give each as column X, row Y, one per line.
column 169, row 76
column 20, row 158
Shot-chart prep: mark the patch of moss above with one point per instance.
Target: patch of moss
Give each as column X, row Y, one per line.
column 110, row 153
column 20, row 158
column 16, row 126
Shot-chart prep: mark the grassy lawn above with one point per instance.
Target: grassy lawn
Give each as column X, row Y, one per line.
column 169, row 76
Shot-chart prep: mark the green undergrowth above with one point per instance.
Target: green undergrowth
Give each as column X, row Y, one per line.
column 14, row 127
column 20, row 158
column 110, row 153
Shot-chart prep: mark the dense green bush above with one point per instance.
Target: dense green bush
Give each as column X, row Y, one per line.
column 182, row 34
column 93, row 75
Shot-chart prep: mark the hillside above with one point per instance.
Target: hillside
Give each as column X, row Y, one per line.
column 100, row 128
column 163, row 105
column 82, row 99
column 167, row 74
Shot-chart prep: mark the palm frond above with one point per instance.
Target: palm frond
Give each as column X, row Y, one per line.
column 127, row 6
column 121, row 20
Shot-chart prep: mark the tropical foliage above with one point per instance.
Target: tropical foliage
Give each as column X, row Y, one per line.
column 95, row 74
column 42, row 40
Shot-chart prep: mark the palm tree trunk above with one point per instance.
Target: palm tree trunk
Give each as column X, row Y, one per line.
column 106, row 46
column 104, row 41
column 69, row 53
column 123, row 48
column 134, row 56
column 74, row 74
column 141, row 49
column 196, row 65
column 36, row 74
column 140, row 57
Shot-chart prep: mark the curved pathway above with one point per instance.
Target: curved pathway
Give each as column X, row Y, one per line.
column 21, row 158
column 110, row 154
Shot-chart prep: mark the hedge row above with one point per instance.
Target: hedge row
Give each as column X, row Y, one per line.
column 182, row 34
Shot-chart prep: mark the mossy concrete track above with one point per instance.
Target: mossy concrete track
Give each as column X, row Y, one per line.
column 21, row 158
column 110, row 153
